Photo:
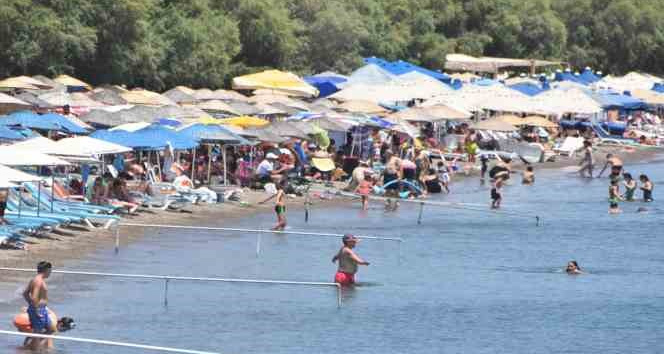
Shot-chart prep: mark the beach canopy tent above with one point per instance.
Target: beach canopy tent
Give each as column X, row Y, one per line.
column 245, row 122
column 528, row 88
column 401, row 67
column 568, row 76
column 49, row 121
column 73, row 84
column 13, row 156
column 206, row 94
column 558, row 102
column 588, row 76
column 537, row 121
column 181, row 95
column 73, row 100
column 652, row 98
column 215, row 133
column 494, row 125
column 10, row 104
column 430, row 114
column 511, row 119
column 629, row 82
column 146, row 98
column 50, row 147
column 369, row 74
column 406, row 88
column 153, row 137
column 278, row 81
column 114, row 116
column 326, row 83
column 85, row 145
column 218, row 106
column 462, row 62
column 360, row 106
column 614, row 100
column 8, row 134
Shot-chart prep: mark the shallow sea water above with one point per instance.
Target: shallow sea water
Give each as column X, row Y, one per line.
column 462, row 282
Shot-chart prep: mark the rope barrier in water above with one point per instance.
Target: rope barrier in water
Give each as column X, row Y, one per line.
column 201, row 279
column 106, row 342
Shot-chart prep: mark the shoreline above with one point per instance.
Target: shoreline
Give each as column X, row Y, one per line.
column 75, row 243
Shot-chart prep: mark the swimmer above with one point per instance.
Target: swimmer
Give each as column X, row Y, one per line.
column 348, row 261
column 646, row 187
column 22, row 323
column 36, row 295
column 614, row 197
column 528, row 176
column 496, row 196
column 279, row 207
column 616, row 166
column 573, row 268
column 630, row 187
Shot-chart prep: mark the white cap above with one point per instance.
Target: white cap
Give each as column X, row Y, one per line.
column 271, row 156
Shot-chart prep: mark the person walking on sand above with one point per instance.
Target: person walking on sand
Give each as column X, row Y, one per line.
column 588, row 162
column 36, row 295
column 348, row 261
column 279, row 207
column 614, row 197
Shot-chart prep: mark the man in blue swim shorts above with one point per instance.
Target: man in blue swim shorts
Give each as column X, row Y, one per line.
column 36, row 295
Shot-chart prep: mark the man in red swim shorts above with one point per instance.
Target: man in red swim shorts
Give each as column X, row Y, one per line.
column 348, row 261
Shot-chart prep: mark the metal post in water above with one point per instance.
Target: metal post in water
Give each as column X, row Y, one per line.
column 20, row 199
column 537, row 220
column 306, row 207
column 419, row 218
column 38, row 197
column 339, row 295
column 166, row 292
column 52, row 190
column 117, row 238
column 258, row 244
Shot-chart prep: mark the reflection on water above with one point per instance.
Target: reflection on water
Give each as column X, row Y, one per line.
column 466, row 282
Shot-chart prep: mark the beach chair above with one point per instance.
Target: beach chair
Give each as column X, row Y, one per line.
column 569, row 146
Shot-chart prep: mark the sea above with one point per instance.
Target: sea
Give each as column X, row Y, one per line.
column 465, row 280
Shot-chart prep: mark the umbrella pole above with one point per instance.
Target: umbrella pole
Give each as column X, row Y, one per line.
column 209, row 174
column 193, row 166
column 20, row 199
column 159, row 164
column 52, row 191
column 223, row 155
column 38, row 197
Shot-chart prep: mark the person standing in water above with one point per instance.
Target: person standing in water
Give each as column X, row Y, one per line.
column 573, row 268
column 36, row 295
column 616, row 167
column 348, row 261
column 614, row 197
column 496, row 196
column 528, row 176
column 364, row 189
column 646, row 187
column 279, row 207
column 630, row 187
column 588, row 162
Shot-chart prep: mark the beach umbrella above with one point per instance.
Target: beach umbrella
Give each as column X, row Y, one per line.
column 14, row 83
column 181, row 95
column 278, row 81
column 85, row 145
column 218, row 106
column 511, row 119
column 431, row 114
column 494, row 125
column 360, row 106
column 245, row 122
column 9, row 104
column 146, row 98
column 15, row 156
column 73, row 84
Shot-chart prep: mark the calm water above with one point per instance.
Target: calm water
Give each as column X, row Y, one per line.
column 466, row 282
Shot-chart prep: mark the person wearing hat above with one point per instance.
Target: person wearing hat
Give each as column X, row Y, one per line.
column 348, row 261
column 266, row 167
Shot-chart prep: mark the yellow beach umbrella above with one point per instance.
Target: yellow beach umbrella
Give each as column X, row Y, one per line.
column 72, row 82
column 279, row 81
column 245, row 122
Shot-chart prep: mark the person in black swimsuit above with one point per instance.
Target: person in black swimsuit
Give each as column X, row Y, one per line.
column 646, row 187
column 3, row 206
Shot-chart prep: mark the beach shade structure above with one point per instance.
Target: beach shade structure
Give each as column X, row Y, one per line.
column 149, row 138
column 8, row 134
column 463, row 62
column 168, row 122
column 114, row 116
column 73, row 100
column 277, row 81
column 528, row 88
column 651, row 98
column 266, row 135
column 431, row 114
column 33, row 99
column 205, row 94
column 494, row 125
column 50, row 147
column 108, row 96
column 269, row 110
column 17, row 176
column 218, row 107
column 244, row 108
column 50, row 121
column 212, row 133
column 146, row 98
column 614, row 100
column 572, row 101
column 275, row 98
column 181, row 95
column 131, row 127
column 538, row 121
column 14, row 156
column 588, row 76
column 287, row 130
column 72, row 84
column 401, row 67
column 465, row 77
column 359, row 106
column 85, row 145
column 10, row 104
column 245, row 122
column 40, row 84
column 14, row 83
column 511, row 119
column 658, row 87
column 370, row 74
column 326, row 83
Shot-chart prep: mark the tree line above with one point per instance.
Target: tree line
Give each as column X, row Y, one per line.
column 158, row 44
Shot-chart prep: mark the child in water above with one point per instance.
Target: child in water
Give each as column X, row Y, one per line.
column 364, row 189
column 646, row 187
column 614, row 197
column 528, row 176
column 279, row 207
column 496, row 196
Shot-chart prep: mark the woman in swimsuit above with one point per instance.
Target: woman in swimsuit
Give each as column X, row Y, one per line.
column 279, row 207
column 646, row 187
column 630, row 187
column 573, row 268
column 588, row 161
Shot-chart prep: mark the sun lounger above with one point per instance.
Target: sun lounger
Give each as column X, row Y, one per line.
column 569, row 146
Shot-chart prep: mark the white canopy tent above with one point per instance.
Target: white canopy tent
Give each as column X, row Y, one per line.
column 50, row 147
column 85, row 145
column 15, row 156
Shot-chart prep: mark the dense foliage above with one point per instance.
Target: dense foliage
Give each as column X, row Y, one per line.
column 160, row 43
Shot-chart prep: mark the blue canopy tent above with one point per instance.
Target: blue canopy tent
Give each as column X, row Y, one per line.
column 50, row 121
column 153, row 137
column 588, row 76
column 169, row 122
column 658, row 87
column 529, row 89
column 568, row 76
column 9, row 134
column 613, row 100
column 401, row 67
column 325, row 84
